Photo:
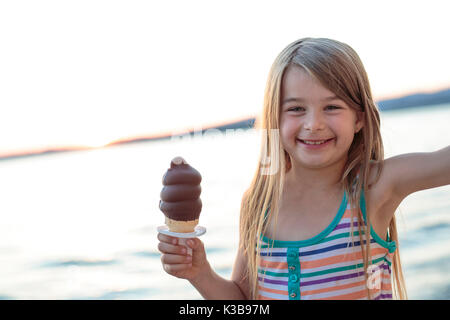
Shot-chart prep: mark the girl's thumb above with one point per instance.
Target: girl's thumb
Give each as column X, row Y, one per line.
column 193, row 243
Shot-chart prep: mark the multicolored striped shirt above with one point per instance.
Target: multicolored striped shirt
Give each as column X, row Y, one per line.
column 327, row 266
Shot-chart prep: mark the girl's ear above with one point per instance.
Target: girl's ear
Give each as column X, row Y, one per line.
column 359, row 121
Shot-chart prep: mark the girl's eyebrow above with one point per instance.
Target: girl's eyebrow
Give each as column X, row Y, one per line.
column 295, row 99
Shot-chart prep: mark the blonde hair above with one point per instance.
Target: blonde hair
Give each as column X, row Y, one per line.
column 338, row 68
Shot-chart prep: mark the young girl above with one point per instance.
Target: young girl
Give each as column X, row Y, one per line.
column 321, row 225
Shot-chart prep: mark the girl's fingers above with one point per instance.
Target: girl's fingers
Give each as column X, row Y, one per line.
column 175, row 259
column 169, row 268
column 167, row 239
column 170, row 248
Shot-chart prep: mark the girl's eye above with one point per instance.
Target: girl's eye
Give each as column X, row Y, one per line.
column 333, row 107
column 297, row 109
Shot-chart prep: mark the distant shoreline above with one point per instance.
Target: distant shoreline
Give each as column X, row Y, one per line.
column 415, row 100
column 404, row 102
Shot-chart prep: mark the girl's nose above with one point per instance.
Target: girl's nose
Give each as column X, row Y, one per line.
column 314, row 122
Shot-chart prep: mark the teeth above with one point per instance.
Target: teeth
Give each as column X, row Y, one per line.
column 313, row 142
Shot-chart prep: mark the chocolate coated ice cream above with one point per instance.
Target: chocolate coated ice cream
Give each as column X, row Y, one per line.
column 180, row 196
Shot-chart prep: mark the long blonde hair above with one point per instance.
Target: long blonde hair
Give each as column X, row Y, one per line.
column 338, row 68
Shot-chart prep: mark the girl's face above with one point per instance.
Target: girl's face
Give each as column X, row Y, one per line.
column 316, row 127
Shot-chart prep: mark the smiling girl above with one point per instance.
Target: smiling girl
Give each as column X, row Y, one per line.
column 322, row 226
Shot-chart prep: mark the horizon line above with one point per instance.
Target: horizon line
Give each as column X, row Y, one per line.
column 249, row 119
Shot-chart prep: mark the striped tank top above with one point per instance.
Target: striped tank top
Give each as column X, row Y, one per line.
column 327, row 266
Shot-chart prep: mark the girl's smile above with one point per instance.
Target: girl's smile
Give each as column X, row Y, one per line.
column 315, row 144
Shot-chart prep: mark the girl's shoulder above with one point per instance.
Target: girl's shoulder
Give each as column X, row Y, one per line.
column 381, row 175
column 381, row 203
column 380, row 194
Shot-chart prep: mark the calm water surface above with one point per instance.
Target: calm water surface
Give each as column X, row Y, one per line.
column 82, row 225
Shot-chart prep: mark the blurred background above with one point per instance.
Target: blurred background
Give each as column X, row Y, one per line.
column 96, row 98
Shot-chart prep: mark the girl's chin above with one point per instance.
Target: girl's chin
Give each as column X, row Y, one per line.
column 313, row 165
column 317, row 161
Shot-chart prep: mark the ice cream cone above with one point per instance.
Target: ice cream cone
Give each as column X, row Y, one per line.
column 181, row 226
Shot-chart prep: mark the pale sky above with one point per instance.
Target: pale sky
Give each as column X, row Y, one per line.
column 89, row 72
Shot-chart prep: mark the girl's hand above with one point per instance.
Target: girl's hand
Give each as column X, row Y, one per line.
column 177, row 262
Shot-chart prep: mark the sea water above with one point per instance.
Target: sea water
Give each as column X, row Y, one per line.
column 82, row 225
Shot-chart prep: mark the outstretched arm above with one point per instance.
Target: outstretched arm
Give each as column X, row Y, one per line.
column 413, row 172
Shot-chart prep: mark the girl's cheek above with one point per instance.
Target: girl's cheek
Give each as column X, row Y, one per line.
column 288, row 129
column 293, row 126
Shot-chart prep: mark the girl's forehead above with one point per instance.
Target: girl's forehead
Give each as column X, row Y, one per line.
column 297, row 83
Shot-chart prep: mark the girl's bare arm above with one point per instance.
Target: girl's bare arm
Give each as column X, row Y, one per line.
column 413, row 172
column 406, row 174
column 212, row 286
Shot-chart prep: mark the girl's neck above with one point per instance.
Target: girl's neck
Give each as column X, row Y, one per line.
column 304, row 181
